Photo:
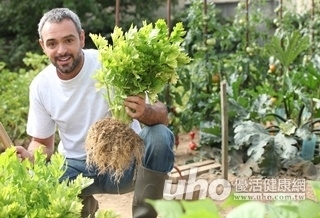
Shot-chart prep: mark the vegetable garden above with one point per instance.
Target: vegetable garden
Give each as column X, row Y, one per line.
column 271, row 65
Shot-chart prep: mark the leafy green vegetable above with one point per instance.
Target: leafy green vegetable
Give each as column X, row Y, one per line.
column 33, row 190
column 140, row 61
column 204, row 208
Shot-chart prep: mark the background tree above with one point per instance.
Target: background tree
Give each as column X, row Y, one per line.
column 19, row 19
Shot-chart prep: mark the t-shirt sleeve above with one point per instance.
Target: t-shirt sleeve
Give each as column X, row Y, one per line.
column 40, row 124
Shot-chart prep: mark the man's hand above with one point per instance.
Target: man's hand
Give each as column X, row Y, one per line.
column 148, row 114
column 135, row 106
column 23, row 153
column 47, row 144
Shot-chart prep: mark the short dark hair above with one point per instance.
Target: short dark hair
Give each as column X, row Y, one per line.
column 57, row 15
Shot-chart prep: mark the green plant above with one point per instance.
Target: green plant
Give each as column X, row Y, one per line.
column 220, row 50
column 139, row 62
column 288, row 48
column 106, row 214
column 17, row 38
column 293, row 137
column 34, row 190
column 185, row 209
column 14, row 90
column 254, row 91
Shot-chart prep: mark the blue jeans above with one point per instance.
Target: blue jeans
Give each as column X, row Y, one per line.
column 158, row 156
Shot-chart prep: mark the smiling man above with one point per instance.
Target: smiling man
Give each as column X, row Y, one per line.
column 65, row 51
column 63, row 96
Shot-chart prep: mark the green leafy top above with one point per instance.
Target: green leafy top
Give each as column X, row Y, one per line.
column 34, row 190
column 286, row 50
column 140, row 61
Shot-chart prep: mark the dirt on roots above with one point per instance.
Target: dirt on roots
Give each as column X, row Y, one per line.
column 112, row 146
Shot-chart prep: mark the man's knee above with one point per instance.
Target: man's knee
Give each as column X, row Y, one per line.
column 159, row 141
column 158, row 135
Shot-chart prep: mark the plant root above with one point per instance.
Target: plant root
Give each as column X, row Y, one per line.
column 112, row 146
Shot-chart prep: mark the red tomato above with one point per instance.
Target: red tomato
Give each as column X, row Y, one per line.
column 192, row 145
column 192, row 134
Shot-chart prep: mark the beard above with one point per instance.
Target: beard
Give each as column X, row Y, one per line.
column 68, row 68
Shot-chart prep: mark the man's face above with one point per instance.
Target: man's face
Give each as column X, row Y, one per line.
column 63, row 45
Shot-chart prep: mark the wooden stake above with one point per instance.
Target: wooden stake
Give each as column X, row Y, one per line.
column 205, row 11
column 224, row 131
column 5, row 139
column 167, row 90
column 117, row 18
column 169, row 15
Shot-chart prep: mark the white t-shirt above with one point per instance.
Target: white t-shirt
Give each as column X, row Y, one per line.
column 71, row 106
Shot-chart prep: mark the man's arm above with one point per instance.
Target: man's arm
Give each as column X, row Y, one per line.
column 154, row 114
column 147, row 114
column 48, row 148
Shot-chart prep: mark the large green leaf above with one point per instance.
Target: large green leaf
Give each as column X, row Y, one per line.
column 201, row 208
column 309, row 208
column 185, row 209
column 168, row 209
column 252, row 209
column 286, row 50
column 288, row 128
column 258, row 143
column 253, row 135
column 286, row 144
column 283, row 209
column 270, row 164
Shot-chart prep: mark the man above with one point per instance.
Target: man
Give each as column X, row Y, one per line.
column 63, row 96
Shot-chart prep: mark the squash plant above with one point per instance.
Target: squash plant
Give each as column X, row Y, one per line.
column 293, row 137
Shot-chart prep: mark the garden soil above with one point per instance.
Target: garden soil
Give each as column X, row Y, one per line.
column 121, row 204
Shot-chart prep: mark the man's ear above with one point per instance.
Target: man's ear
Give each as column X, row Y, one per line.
column 82, row 38
column 41, row 43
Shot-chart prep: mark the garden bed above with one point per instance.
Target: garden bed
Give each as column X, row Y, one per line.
column 122, row 203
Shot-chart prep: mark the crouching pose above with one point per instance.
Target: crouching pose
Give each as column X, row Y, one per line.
column 63, row 96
